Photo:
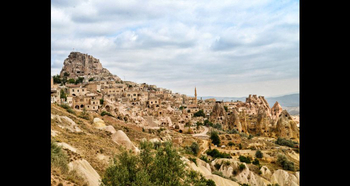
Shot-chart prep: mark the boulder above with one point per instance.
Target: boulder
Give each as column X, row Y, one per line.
column 286, row 127
column 121, row 138
column 85, row 170
column 98, row 123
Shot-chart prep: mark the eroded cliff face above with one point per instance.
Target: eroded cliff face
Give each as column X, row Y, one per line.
column 218, row 114
column 78, row 65
column 234, row 121
column 262, row 125
column 286, row 127
column 253, row 103
column 276, row 110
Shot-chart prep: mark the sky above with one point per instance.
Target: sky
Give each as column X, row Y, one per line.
column 223, row 48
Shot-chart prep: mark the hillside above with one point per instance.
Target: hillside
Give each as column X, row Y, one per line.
column 289, row 102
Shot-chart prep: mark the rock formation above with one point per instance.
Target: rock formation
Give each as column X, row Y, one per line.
column 283, row 178
column 276, row 111
column 218, row 114
column 234, row 122
column 122, row 139
column 286, row 127
column 98, row 123
column 244, row 122
column 253, row 103
column 83, row 65
column 262, row 122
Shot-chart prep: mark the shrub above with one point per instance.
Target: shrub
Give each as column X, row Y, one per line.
column 216, row 154
column 256, row 162
column 217, row 126
column 241, row 167
column 215, row 138
column 106, row 113
column 244, row 159
column 194, row 160
column 250, row 136
column 217, row 165
column 199, row 113
column 283, row 161
column 71, row 81
column 101, row 101
column 58, row 157
column 225, row 107
column 204, row 158
column 285, row 142
column 259, row 154
column 227, row 163
column 240, row 146
column 230, row 144
column 91, row 79
column 63, row 95
column 195, row 148
column 210, row 182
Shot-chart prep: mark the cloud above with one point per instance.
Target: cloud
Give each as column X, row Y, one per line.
column 177, row 44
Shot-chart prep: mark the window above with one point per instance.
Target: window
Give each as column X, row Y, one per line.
column 72, row 90
column 83, row 90
column 78, row 90
column 134, row 94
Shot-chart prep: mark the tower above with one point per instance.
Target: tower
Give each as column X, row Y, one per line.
column 195, row 96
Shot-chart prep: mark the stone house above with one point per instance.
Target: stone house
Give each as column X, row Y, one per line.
column 93, row 87
column 55, row 96
column 153, row 102
column 76, row 90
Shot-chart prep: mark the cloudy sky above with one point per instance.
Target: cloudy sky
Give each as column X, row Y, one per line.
column 224, row 48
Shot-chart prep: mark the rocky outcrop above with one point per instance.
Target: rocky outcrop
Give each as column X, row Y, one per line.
column 253, row 103
column 276, row 110
column 98, row 123
column 66, row 123
column 85, row 170
column 265, row 172
column 218, row 114
column 122, row 139
column 283, row 178
column 234, row 122
column 244, row 122
column 262, row 122
column 286, row 127
column 242, row 176
column 78, row 65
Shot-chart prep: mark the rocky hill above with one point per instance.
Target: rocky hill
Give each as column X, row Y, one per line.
column 124, row 133
column 83, row 65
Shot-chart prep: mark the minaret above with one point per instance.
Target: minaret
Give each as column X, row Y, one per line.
column 195, row 96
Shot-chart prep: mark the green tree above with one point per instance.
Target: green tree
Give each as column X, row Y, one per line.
column 215, row 138
column 63, row 95
column 230, row 144
column 285, row 163
column 258, row 154
column 168, row 168
column 226, row 108
column 199, row 113
column 56, row 79
column 101, row 101
column 195, row 148
column 71, row 81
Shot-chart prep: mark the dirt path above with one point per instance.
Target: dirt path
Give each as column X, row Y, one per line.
column 202, row 134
